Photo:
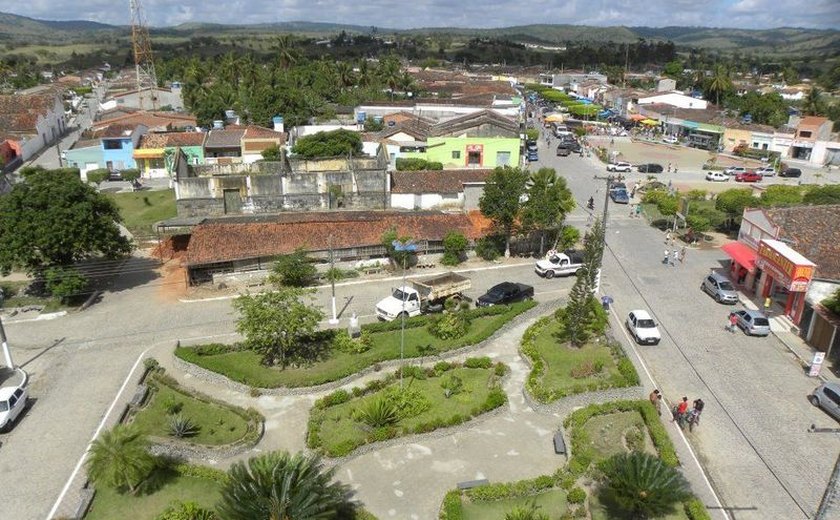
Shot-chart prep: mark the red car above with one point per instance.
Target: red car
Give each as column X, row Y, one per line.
column 748, row 176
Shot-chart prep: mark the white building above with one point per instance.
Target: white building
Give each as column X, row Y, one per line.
column 33, row 121
column 675, row 99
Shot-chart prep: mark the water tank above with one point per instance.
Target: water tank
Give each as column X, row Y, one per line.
column 361, row 116
column 218, row 123
column 230, row 114
column 278, row 123
column 377, row 119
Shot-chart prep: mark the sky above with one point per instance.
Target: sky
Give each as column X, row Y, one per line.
column 747, row 14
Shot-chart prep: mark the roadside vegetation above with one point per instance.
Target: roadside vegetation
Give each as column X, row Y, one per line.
column 140, row 210
column 422, row 400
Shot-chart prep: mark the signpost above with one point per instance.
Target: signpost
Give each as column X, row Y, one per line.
column 816, row 364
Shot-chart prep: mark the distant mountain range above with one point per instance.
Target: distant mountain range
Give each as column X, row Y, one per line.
column 780, row 41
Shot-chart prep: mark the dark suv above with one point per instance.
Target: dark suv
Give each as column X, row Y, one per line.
column 790, row 172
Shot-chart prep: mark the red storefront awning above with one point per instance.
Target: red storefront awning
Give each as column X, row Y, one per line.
column 742, row 254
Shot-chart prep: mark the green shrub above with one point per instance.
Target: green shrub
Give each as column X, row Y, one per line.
column 172, row 405
column 213, row 349
column 344, row 343
column 377, row 413
column 186, row 511
column 454, row 248
column 478, row 362
column 410, row 371
column 443, row 366
column 576, row 495
column 181, row 427
column 65, row 282
column 408, row 402
column 695, row 510
column 336, row 143
column 451, row 385
column 417, row 164
column 150, row 363
column 490, row 247
column 338, row 397
column 496, row 398
column 98, row 176
column 500, row 369
column 205, row 472
column 452, row 508
column 450, row 326
column 293, row 270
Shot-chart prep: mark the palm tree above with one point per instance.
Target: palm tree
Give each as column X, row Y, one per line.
column 364, row 73
column 286, row 54
column 280, row 486
column 120, row 458
column 344, row 72
column 389, row 74
column 812, row 104
column 642, row 485
column 720, row 83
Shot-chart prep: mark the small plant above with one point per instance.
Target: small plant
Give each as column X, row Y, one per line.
column 586, row 369
column 150, row 363
column 254, row 392
column 450, row 326
column 377, row 413
column 576, row 496
column 451, row 385
column 181, row 427
column 408, row 401
column 478, row 362
column 172, row 405
column 426, row 350
column 635, row 440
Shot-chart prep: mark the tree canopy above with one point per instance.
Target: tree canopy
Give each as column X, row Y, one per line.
column 337, row 143
column 55, row 219
column 549, row 200
column 502, row 199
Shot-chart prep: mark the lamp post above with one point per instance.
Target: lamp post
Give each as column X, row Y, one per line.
column 334, row 319
column 406, row 247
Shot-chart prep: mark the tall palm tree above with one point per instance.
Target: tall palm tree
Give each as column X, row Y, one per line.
column 642, row 485
column 720, row 83
column 280, row 486
column 365, row 75
column 344, row 72
column 812, row 104
column 286, row 53
column 120, row 458
column 389, row 74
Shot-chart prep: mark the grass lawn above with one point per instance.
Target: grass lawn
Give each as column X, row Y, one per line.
column 141, row 209
column 216, row 424
column 552, row 503
column 108, row 504
column 244, row 365
column 50, row 304
column 600, row 512
column 336, row 431
column 607, row 433
column 560, row 359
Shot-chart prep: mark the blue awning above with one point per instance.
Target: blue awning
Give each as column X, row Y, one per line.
column 691, row 124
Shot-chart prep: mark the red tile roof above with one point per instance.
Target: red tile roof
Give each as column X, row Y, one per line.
column 171, row 139
column 114, row 131
column 225, row 240
column 814, row 232
column 436, row 181
column 19, row 113
column 164, row 120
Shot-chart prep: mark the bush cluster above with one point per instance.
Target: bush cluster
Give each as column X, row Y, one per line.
column 417, row 164
column 508, row 490
column 451, row 325
column 695, row 510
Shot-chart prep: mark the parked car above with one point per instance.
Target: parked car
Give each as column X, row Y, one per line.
column 827, row 397
column 617, row 185
column 790, row 172
column 717, row 177
column 563, row 150
column 670, row 139
column 720, row 288
column 753, row 323
column 767, row 171
column 505, row 292
column 12, row 403
column 566, row 263
column 531, row 147
column 643, row 328
column 115, row 175
column 650, row 168
column 735, row 170
column 620, row 196
column 533, row 157
column 748, row 176
column 619, row 167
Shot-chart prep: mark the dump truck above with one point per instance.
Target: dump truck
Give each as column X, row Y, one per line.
column 422, row 296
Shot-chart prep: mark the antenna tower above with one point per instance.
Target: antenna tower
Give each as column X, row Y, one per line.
column 144, row 62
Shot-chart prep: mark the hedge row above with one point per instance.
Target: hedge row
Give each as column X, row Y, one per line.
column 627, row 372
column 190, row 470
column 425, row 319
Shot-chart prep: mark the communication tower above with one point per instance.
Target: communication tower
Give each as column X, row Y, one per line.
column 144, row 62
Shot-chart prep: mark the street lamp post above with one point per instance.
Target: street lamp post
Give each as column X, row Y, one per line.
column 334, row 319
column 406, row 247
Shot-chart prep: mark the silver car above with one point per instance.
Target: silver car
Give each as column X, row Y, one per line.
column 720, row 288
column 753, row 323
column 827, row 397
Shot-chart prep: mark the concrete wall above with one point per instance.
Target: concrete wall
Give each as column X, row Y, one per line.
column 472, row 194
column 85, row 159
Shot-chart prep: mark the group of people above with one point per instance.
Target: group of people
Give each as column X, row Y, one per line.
column 681, row 414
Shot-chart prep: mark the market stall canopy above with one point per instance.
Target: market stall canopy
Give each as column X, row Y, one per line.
column 554, row 118
column 637, row 117
column 650, row 122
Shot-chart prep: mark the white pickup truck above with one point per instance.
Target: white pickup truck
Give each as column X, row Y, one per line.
column 422, row 296
column 560, row 264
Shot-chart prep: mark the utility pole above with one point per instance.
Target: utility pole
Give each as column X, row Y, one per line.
column 608, row 179
column 7, row 354
column 830, row 493
column 407, row 247
column 334, row 319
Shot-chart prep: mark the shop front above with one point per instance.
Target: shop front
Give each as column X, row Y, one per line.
column 785, row 277
column 742, row 269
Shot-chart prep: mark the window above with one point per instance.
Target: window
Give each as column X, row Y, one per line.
column 755, row 144
column 456, row 154
column 805, row 134
column 764, row 146
column 502, row 158
column 474, row 159
column 112, row 144
column 832, row 395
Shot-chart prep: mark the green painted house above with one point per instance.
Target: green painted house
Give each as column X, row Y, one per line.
column 155, row 154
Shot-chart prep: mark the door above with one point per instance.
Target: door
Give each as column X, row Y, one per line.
column 502, row 158
column 233, row 201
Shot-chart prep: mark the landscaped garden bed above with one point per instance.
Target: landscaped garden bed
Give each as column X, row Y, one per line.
column 427, row 399
column 559, row 369
column 380, row 342
column 173, row 413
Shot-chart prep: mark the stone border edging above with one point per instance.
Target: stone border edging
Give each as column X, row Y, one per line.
column 183, row 450
column 217, row 378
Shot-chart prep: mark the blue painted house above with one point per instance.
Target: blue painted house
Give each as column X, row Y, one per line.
column 111, row 147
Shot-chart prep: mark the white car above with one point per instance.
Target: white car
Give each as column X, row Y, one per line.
column 619, row 167
column 670, row 139
column 767, row 171
column 735, row 170
column 717, row 177
column 643, row 328
column 12, row 403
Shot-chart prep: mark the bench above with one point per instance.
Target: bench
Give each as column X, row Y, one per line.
column 469, row 484
column 559, row 443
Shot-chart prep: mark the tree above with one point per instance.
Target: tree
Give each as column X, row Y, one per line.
column 501, row 201
column 734, row 201
column 401, row 259
column 272, row 153
column 642, row 485
column 65, row 283
column 293, row 270
column 578, row 317
column 277, row 325
column 336, row 143
column 130, row 174
column 568, row 237
column 823, row 195
column 781, row 195
column 832, row 303
column 120, row 458
column 674, row 69
column 454, row 248
column 98, row 176
column 55, row 219
column 720, row 83
column 279, row 486
column 549, row 200
column 812, row 105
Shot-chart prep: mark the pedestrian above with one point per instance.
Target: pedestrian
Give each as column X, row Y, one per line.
column 632, row 210
column 667, row 254
column 656, row 400
column 733, row 322
column 669, row 167
column 682, row 255
column 675, row 170
column 679, row 412
column 639, row 210
column 768, row 302
column 674, row 257
column 698, row 409
column 668, row 238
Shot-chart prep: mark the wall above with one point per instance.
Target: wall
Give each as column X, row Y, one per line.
column 472, row 194
column 441, row 148
column 81, row 157
column 122, row 158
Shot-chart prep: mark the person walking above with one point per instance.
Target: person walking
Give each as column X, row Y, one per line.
column 656, row 400
column 682, row 255
column 668, row 238
column 733, row 322
column 680, row 411
column 669, row 167
column 667, row 254
column 674, row 256
column 768, row 303
column 697, row 410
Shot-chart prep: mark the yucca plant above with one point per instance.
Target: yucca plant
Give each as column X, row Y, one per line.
column 377, row 413
column 529, row 512
column 641, row 485
column 180, row 426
